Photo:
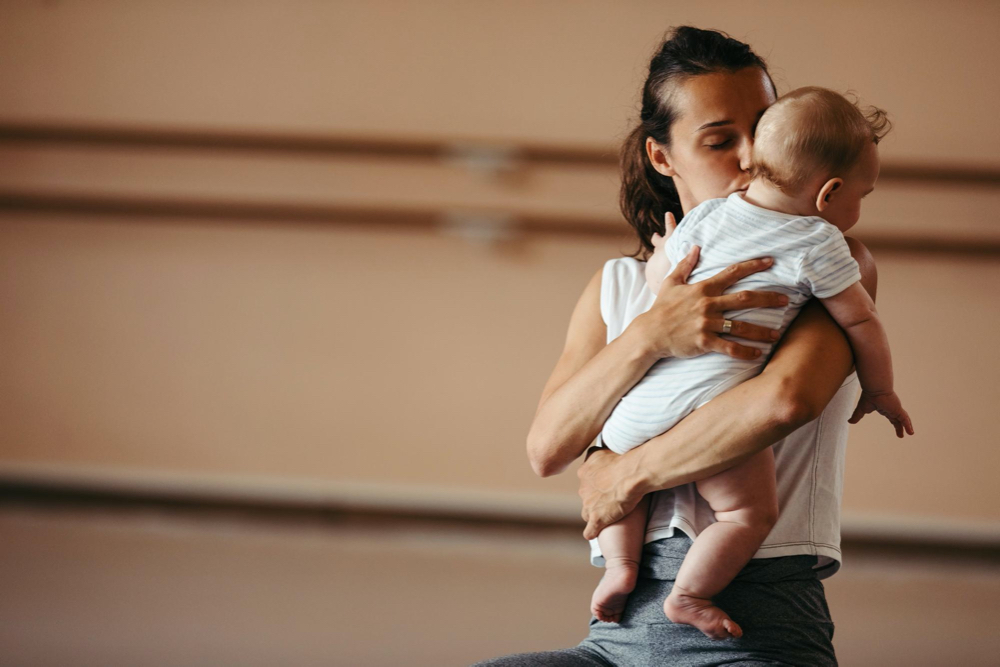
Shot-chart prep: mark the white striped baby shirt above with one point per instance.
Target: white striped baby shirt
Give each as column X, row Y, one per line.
column 811, row 258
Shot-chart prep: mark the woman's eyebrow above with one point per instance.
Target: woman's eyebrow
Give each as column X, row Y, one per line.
column 717, row 123
column 720, row 123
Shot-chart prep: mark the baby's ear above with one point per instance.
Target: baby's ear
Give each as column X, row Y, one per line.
column 827, row 192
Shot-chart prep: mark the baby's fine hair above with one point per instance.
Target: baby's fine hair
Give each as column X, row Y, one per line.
column 813, row 131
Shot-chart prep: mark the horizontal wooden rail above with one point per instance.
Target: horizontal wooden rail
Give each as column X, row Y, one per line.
column 972, row 549
column 286, row 142
column 488, row 152
column 484, row 224
column 409, row 217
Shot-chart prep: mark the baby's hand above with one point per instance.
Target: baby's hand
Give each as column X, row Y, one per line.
column 887, row 405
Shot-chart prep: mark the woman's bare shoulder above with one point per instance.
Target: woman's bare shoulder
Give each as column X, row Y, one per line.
column 585, row 337
column 587, row 332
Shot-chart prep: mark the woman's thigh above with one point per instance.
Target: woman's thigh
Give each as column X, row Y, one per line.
column 779, row 603
column 567, row 657
column 784, row 623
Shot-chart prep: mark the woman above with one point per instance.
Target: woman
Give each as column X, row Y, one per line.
column 700, row 105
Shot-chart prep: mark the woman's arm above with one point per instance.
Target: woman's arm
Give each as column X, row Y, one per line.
column 592, row 376
column 805, row 372
column 589, row 379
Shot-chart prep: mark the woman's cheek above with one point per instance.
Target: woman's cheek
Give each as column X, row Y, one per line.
column 718, row 181
column 724, row 167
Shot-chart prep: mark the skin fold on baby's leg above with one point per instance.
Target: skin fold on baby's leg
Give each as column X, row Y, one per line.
column 621, row 544
column 744, row 499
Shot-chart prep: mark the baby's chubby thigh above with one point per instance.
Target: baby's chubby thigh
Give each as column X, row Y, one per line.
column 745, row 493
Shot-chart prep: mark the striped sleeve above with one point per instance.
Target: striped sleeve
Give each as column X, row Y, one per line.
column 828, row 268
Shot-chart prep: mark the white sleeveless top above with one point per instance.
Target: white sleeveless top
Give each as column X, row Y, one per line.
column 809, row 462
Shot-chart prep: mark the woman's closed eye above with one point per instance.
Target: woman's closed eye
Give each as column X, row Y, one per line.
column 719, row 145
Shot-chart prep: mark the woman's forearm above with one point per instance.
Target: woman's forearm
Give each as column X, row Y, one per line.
column 806, row 371
column 570, row 416
column 794, row 388
column 802, row 376
column 591, row 376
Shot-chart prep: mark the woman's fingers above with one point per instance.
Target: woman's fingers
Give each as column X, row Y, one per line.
column 747, row 299
column 684, row 268
column 748, row 331
column 730, row 275
column 593, row 528
column 734, row 350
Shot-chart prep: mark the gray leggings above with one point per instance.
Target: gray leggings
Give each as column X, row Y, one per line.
column 779, row 602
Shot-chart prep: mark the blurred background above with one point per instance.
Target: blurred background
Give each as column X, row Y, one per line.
column 281, row 284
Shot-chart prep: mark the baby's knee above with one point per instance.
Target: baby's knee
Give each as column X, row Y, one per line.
column 760, row 516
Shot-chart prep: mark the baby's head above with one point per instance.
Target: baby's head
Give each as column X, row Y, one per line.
column 820, row 149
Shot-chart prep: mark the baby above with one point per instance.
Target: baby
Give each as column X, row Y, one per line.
column 815, row 157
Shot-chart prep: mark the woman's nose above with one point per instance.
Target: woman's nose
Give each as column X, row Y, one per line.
column 746, row 155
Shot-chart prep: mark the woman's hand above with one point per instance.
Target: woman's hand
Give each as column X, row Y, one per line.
column 685, row 320
column 605, row 500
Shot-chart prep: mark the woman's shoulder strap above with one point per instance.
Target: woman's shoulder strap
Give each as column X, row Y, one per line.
column 619, row 282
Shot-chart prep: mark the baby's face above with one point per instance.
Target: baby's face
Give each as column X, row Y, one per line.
column 844, row 207
column 657, row 266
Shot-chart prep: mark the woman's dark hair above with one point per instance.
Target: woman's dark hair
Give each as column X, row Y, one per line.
column 647, row 195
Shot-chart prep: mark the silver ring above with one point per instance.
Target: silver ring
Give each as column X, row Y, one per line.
column 727, row 326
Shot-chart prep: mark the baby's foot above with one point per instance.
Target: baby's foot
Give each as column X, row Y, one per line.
column 609, row 599
column 681, row 607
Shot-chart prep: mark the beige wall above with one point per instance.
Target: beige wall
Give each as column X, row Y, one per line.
column 356, row 352
column 555, row 71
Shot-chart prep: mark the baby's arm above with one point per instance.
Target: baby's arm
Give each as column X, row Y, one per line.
column 855, row 312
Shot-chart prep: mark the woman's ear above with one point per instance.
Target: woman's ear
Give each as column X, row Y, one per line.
column 659, row 158
column 827, row 192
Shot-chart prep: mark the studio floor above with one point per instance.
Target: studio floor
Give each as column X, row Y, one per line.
column 104, row 587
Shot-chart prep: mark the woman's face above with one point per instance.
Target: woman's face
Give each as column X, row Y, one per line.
column 712, row 135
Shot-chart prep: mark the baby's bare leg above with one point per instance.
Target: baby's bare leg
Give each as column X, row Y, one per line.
column 745, row 501
column 621, row 544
